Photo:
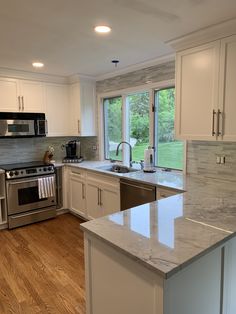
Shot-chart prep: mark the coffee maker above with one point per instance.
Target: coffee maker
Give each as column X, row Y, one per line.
column 73, row 152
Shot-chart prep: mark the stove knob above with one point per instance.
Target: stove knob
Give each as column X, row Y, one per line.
column 49, row 168
column 16, row 173
column 11, row 173
column 44, row 169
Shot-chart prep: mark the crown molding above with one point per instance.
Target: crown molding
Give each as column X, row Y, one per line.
column 204, row 35
column 24, row 75
column 77, row 77
column 135, row 67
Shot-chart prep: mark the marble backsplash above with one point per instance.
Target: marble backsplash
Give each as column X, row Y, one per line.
column 33, row 149
column 201, row 159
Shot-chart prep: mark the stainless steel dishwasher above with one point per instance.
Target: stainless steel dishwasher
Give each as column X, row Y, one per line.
column 134, row 193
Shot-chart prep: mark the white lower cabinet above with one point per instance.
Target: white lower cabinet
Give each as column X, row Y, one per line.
column 102, row 195
column 229, row 304
column 92, row 195
column 195, row 289
column 77, row 196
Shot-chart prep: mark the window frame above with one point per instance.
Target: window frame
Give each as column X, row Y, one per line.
column 151, row 88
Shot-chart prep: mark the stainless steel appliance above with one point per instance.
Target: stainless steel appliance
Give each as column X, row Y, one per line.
column 22, row 124
column 134, row 193
column 73, row 152
column 24, row 204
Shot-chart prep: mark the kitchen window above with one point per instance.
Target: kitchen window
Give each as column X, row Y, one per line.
column 133, row 118
column 169, row 153
column 112, row 126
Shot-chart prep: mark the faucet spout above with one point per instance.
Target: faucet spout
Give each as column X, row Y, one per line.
column 130, row 151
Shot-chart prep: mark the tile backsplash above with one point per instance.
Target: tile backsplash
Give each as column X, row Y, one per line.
column 156, row 73
column 201, row 159
column 33, row 149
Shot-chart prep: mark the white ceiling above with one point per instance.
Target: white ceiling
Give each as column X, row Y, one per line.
column 60, row 32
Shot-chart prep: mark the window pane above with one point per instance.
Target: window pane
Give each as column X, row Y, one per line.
column 138, row 123
column 113, row 126
column 169, row 153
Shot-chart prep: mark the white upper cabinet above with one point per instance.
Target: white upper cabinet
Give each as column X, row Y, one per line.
column 32, row 96
column 21, row 95
column 10, row 100
column 83, row 108
column 197, row 76
column 70, row 109
column 227, row 94
column 205, row 91
column 57, row 109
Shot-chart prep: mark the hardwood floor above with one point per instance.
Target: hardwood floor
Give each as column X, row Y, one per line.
column 42, row 268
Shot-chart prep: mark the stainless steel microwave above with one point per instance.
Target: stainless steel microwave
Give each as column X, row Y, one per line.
column 22, row 124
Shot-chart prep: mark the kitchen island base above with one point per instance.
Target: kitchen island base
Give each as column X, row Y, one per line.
column 117, row 283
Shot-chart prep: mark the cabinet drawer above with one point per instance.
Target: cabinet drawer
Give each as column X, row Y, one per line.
column 163, row 193
column 79, row 173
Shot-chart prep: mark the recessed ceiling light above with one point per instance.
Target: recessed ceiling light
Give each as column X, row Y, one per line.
column 102, row 29
column 38, row 64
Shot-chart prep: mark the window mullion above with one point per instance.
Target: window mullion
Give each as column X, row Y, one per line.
column 125, row 129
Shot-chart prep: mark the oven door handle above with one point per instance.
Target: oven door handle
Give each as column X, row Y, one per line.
column 25, row 181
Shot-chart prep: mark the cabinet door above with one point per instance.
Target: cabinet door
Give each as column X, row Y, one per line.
column 9, row 95
column 82, row 108
column 110, row 200
column 87, row 122
column 77, row 196
column 57, row 109
column 32, row 96
column 94, row 209
column 230, row 277
column 227, row 88
column 197, row 80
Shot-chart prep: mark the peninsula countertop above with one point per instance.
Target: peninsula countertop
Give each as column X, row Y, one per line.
column 169, row 234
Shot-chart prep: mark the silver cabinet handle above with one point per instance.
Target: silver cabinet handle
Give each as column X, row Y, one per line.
column 213, row 133
column 23, row 105
column 101, row 197
column 83, row 194
column 218, row 122
column 19, row 103
column 98, row 196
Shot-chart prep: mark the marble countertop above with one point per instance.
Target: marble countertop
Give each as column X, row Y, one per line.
column 173, row 180
column 171, row 233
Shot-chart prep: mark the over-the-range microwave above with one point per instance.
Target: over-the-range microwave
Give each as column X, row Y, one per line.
column 22, row 124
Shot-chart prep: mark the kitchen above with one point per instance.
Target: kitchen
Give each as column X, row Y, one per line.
column 51, row 275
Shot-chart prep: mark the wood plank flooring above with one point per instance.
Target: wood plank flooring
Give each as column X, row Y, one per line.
column 42, row 268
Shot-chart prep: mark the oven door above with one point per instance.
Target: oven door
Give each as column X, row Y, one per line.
column 17, row 128
column 23, row 195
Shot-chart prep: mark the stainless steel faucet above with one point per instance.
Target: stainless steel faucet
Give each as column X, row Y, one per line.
column 130, row 151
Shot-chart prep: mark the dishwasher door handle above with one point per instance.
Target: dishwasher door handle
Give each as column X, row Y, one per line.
column 139, row 187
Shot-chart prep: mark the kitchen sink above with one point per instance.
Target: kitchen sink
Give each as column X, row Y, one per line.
column 117, row 168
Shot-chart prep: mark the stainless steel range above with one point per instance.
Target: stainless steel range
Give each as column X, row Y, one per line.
column 31, row 195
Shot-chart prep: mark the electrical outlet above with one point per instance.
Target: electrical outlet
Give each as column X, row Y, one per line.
column 222, row 159
column 218, row 159
column 94, row 147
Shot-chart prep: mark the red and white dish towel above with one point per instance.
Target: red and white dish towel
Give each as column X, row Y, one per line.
column 46, row 187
